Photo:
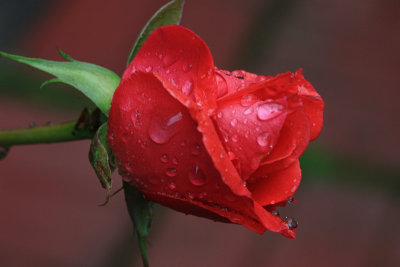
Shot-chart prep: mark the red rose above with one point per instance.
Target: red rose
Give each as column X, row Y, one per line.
column 216, row 144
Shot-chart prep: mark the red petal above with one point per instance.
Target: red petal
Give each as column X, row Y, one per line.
column 273, row 187
column 249, row 128
column 293, row 140
column 313, row 104
column 181, row 57
column 161, row 152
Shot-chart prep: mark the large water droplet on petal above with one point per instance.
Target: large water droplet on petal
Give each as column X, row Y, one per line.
column 263, row 139
column 268, row 111
column 161, row 129
column 171, row 172
column 197, row 177
column 187, row 87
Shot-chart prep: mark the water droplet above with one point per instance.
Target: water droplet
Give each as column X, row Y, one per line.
column 248, row 100
column 275, row 212
column 248, row 111
column 268, row 111
column 135, row 117
column 168, row 60
column 149, row 68
column 161, row 130
column 291, row 222
column 172, row 186
column 186, row 67
column 235, row 138
column 234, row 122
column 183, row 143
column 196, row 149
column 171, row 172
column 202, row 195
column 190, row 196
column 226, row 138
column 290, row 200
column 187, row 87
column 197, row 177
column 263, row 139
column 164, row 158
column 293, row 189
column 175, row 161
column 219, row 115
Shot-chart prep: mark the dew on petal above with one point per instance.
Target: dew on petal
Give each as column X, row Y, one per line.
column 161, row 130
column 172, row 186
column 291, row 222
column 196, row 149
column 197, row 177
column 263, row 139
column 171, row 172
column 187, row 67
column 248, row 111
column 175, row 161
column 149, row 68
column 268, row 111
column 169, row 59
column 219, row 115
column 235, row 138
column 247, row 100
column 164, row 158
column 234, row 122
column 187, row 87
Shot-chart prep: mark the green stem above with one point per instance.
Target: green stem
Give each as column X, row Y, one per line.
column 44, row 134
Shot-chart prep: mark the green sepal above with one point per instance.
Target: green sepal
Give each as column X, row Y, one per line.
column 170, row 13
column 4, row 152
column 95, row 82
column 54, row 80
column 102, row 159
column 140, row 211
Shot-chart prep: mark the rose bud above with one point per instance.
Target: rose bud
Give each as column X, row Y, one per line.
column 208, row 142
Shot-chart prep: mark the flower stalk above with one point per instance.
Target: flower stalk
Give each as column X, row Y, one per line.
column 62, row 132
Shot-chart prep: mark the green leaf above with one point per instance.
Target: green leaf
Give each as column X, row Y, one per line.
column 140, row 211
column 170, row 13
column 102, row 160
column 97, row 83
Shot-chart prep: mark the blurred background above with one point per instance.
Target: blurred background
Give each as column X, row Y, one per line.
column 347, row 205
